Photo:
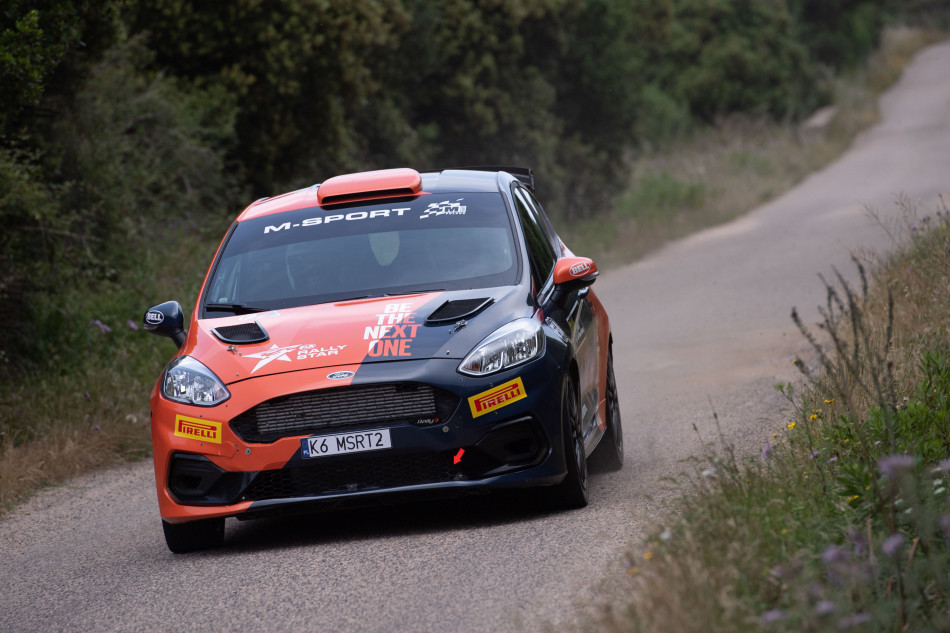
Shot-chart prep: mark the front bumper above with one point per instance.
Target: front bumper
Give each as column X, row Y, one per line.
column 516, row 443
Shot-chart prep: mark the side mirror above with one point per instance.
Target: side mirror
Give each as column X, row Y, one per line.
column 572, row 273
column 166, row 319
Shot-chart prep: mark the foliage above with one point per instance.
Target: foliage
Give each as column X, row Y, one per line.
column 842, row 33
column 569, row 87
column 721, row 56
column 844, row 521
column 929, row 13
column 133, row 154
column 655, row 196
column 305, row 72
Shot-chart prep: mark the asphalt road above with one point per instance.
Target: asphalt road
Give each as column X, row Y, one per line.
column 701, row 326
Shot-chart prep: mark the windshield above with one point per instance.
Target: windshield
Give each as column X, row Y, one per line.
column 316, row 255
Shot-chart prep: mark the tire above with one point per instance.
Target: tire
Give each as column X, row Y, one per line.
column 608, row 456
column 194, row 536
column 572, row 492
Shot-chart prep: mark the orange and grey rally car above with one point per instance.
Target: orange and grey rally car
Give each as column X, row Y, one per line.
column 383, row 333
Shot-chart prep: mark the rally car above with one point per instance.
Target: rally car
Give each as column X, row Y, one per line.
column 383, row 333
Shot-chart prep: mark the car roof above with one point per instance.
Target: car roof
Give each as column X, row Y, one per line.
column 459, row 181
column 445, row 181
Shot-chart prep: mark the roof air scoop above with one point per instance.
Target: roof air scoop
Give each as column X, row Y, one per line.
column 459, row 309
column 241, row 334
column 370, row 185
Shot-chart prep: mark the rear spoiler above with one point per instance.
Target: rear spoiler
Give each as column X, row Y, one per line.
column 523, row 174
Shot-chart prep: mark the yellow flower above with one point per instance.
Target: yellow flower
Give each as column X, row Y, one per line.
column 852, row 498
column 831, row 401
column 813, row 416
column 847, row 439
column 774, row 434
column 791, row 425
column 633, row 571
column 784, row 531
column 648, row 555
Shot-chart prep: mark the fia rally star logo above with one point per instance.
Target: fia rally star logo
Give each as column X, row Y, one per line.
column 274, row 353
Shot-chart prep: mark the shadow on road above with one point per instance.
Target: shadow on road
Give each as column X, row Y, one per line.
column 328, row 524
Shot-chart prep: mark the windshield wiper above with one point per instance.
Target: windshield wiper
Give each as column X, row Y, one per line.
column 236, row 308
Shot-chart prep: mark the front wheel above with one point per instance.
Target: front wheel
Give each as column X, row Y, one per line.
column 193, row 536
column 572, row 492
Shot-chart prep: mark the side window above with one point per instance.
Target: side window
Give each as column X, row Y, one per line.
column 536, row 236
column 544, row 222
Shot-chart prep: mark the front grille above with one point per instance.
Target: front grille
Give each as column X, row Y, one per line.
column 343, row 407
column 351, row 476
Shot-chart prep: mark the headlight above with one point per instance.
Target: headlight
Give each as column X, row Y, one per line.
column 508, row 346
column 188, row 381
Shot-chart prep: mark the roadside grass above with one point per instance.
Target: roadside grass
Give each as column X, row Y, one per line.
column 843, row 521
column 88, row 406
column 719, row 173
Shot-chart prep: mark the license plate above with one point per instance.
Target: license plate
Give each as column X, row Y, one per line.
column 342, row 443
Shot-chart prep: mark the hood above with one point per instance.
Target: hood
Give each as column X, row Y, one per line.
column 383, row 329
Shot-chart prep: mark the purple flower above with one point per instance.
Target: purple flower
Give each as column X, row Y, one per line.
column 825, row 607
column 834, row 554
column 97, row 427
column 767, row 451
column 774, row 615
column 833, row 459
column 133, row 326
column 814, row 454
column 893, row 544
column 852, row 621
column 859, row 542
column 88, row 397
column 945, row 526
column 788, row 571
column 944, row 466
column 105, row 329
column 895, row 465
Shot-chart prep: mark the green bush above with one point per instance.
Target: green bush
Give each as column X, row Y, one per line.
column 133, row 157
column 653, row 198
column 842, row 33
column 570, row 88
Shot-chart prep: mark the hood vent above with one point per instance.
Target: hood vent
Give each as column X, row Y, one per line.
column 460, row 309
column 241, row 334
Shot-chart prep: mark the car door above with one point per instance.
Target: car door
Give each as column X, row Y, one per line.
column 579, row 313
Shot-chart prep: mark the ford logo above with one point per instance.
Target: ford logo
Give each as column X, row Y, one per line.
column 154, row 317
column 340, row 375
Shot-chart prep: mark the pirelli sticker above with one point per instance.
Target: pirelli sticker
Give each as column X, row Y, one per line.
column 197, row 429
column 500, row 396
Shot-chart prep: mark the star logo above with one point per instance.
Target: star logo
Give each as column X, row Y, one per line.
column 274, row 353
